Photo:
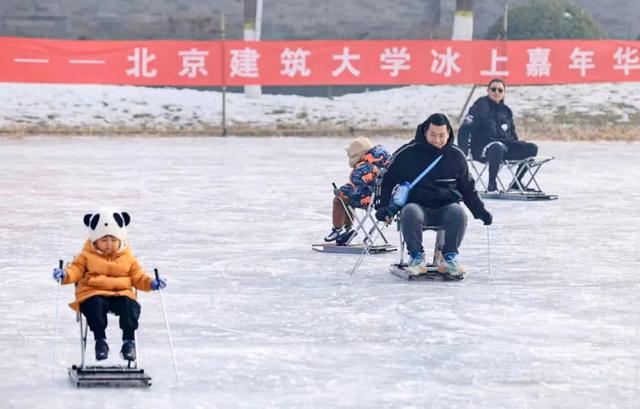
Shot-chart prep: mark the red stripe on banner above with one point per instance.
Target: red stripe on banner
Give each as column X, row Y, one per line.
column 196, row 63
column 335, row 62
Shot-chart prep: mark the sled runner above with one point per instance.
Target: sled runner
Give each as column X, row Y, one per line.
column 114, row 376
column 108, row 376
column 526, row 189
column 431, row 274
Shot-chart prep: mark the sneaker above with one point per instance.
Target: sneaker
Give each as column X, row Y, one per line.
column 346, row 237
column 128, row 351
column 102, row 349
column 450, row 265
column 333, row 235
column 492, row 187
column 416, row 264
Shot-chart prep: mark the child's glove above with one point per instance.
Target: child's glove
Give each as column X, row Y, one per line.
column 58, row 274
column 158, row 284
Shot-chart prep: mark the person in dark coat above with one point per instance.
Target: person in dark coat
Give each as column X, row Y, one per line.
column 435, row 199
column 489, row 131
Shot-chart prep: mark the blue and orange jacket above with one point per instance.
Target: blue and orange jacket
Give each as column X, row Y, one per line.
column 362, row 181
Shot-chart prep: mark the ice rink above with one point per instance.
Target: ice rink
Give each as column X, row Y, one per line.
column 260, row 320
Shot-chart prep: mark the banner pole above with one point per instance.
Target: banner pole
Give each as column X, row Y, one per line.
column 224, row 86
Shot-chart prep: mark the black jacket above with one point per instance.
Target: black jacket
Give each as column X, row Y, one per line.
column 486, row 122
column 448, row 182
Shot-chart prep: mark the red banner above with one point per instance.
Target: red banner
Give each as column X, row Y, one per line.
column 335, row 62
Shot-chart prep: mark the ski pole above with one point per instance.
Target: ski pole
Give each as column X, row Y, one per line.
column 365, row 248
column 365, row 252
column 489, row 254
column 360, row 259
column 55, row 331
column 166, row 322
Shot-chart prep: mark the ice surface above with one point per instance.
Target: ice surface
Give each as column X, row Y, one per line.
column 260, row 320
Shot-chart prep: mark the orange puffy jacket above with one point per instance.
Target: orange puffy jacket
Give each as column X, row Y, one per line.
column 99, row 274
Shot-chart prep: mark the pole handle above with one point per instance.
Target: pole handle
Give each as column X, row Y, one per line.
column 336, row 191
column 60, row 263
column 155, row 270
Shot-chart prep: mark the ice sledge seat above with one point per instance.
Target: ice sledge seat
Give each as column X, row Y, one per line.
column 528, row 189
column 366, row 225
column 400, row 269
column 113, row 376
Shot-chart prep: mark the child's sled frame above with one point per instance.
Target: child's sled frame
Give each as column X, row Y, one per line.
column 368, row 243
column 527, row 190
column 431, row 274
column 114, row 376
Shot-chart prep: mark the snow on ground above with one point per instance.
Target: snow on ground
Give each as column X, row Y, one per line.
column 259, row 320
column 126, row 107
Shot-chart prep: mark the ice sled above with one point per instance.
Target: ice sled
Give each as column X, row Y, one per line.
column 357, row 248
column 114, row 376
column 527, row 190
column 368, row 229
column 431, row 272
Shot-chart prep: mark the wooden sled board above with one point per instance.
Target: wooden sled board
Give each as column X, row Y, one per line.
column 109, row 377
column 529, row 197
column 432, row 274
column 352, row 248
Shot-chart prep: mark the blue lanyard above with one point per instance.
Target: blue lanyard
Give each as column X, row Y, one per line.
column 427, row 170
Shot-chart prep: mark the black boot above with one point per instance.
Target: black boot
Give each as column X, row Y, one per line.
column 514, row 186
column 102, row 349
column 491, row 187
column 128, row 351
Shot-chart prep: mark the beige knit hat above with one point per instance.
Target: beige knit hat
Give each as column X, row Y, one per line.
column 357, row 148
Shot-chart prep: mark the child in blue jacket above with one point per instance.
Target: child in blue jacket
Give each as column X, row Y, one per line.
column 368, row 162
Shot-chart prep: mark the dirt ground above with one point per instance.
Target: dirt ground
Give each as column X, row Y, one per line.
column 575, row 131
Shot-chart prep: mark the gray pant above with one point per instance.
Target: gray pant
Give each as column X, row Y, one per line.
column 451, row 218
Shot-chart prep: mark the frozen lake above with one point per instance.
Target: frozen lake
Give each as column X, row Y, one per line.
column 260, row 320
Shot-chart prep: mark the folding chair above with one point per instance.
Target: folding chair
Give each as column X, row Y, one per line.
column 118, row 376
column 400, row 269
column 527, row 189
column 366, row 227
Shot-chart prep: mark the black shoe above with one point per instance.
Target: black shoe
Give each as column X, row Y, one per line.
column 524, row 189
column 128, row 351
column 102, row 349
column 491, row 187
column 345, row 237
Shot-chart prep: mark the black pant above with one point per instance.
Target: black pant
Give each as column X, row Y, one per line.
column 96, row 308
column 509, row 150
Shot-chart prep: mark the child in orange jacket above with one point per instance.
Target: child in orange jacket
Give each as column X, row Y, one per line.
column 106, row 273
column 367, row 162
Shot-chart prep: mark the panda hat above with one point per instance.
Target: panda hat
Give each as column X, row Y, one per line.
column 108, row 221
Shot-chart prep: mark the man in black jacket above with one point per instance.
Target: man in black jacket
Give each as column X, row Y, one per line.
column 434, row 200
column 492, row 133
